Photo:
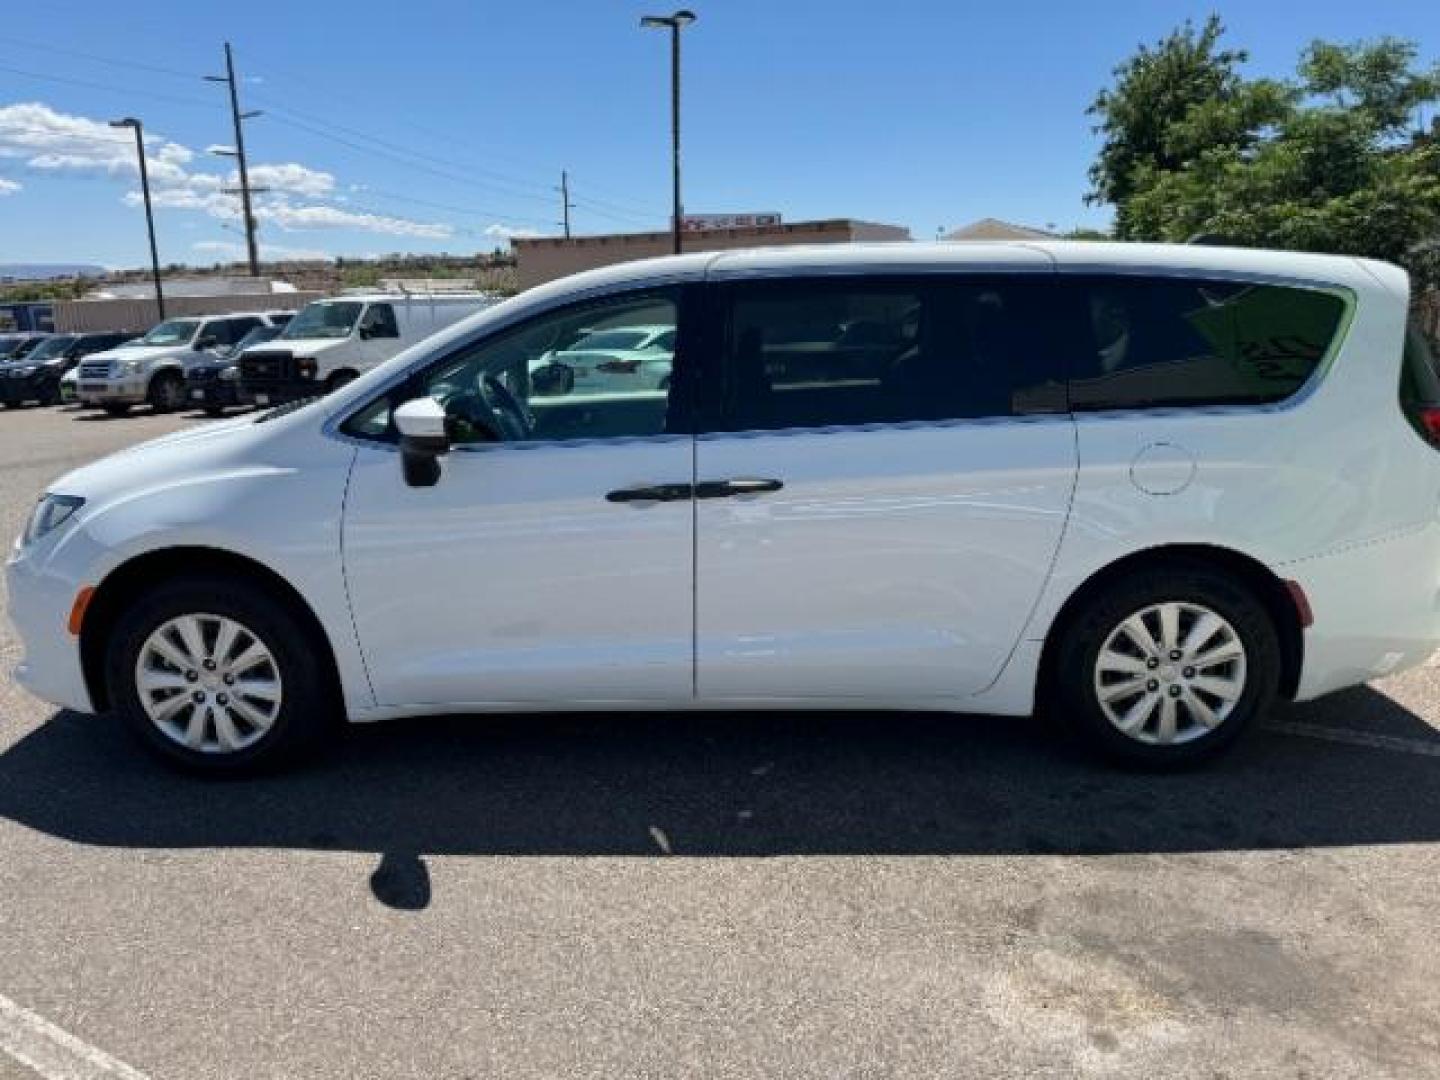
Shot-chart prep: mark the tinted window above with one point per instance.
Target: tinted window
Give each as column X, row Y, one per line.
column 819, row 353
column 379, row 322
column 1159, row 342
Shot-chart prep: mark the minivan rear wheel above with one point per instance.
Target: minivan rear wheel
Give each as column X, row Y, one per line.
column 1169, row 667
column 217, row 678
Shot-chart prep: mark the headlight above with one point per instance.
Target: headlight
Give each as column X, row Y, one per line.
column 52, row 512
column 130, row 367
column 21, row 372
column 230, row 373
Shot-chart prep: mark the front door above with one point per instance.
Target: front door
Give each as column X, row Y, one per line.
column 554, row 566
column 882, row 487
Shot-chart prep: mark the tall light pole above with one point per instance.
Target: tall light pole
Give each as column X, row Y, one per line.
column 239, row 155
column 131, row 122
column 674, row 23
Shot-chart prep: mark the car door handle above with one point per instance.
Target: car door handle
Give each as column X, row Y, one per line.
column 651, row 493
column 727, row 489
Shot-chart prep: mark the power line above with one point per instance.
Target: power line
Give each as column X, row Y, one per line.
column 126, row 90
column 154, row 69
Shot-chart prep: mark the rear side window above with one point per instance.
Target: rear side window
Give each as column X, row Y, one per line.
column 840, row 353
column 1157, row 342
column 1420, row 373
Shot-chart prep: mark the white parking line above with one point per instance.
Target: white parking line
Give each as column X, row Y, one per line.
column 53, row 1052
column 1397, row 743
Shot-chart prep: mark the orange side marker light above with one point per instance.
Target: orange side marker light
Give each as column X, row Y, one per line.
column 77, row 612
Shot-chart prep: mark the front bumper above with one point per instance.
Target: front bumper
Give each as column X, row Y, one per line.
column 215, row 394
column 39, row 607
column 37, row 387
column 115, row 390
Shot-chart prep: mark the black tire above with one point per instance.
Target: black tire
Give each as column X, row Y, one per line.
column 1081, row 640
column 214, row 411
column 14, row 404
column 309, row 708
column 115, row 408
column 167, row 392
column 339, row 379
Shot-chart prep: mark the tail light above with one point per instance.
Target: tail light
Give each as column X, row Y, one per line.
column 618, row 367
column 1429, row 417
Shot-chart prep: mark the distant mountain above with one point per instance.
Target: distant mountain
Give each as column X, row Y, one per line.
column 45, row 271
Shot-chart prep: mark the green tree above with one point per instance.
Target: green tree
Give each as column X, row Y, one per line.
column 1321, row 163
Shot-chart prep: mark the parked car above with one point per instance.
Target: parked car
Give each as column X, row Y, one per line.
column 151, row 370
column 625, row 358
column 18, row 346
column 1153, row 488
column 215, row 385
column 37, row 376
column 330, row 342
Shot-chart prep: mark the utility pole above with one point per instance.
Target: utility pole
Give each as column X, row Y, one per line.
column 565, row 204
column 138, row 128
column 239, row 154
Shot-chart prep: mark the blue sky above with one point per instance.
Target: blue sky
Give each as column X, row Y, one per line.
column 443, row 126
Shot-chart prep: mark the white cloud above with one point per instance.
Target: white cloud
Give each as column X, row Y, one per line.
column 9, row 187
column 505, row 232
column 51, row 141
column 232, row 249
column 292, row 178
column 293, row 218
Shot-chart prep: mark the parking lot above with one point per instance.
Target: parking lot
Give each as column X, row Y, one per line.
column 862, row 895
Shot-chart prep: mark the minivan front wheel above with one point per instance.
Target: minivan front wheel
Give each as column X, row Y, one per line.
column 217, row 678
column 1169, row 667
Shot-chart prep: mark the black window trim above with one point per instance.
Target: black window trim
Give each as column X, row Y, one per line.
column 687, row 294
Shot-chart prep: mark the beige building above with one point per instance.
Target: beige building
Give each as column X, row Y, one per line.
column 546, row 258
column 994, row 229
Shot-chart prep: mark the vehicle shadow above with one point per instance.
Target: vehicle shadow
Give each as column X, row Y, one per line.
column 733, row 785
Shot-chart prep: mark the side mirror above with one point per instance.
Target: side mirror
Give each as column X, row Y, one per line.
column 423, row 440
column 209, row 341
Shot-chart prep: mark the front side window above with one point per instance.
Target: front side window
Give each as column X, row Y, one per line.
column 821, row 353
column 545, row 380
column 1159, row 342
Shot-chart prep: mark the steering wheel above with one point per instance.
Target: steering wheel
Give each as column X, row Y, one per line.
column 514, row 419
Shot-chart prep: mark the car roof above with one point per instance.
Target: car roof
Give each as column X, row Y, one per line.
column 1066, row 256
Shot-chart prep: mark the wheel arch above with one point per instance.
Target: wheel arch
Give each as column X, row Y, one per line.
column 1269, row 589
column 132, row 577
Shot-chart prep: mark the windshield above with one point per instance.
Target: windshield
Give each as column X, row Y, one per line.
column 329, row 319
column 256, row 335
column 52, row 347
column 611, row 339
column 171, row 332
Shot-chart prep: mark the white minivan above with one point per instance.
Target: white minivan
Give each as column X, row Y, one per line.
column 332, row 341
column 1155, row 487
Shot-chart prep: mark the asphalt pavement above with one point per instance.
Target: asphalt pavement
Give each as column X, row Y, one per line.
column 871, row 895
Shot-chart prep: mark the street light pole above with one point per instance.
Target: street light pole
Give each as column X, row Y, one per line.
column 675, row 23
column 131, row 122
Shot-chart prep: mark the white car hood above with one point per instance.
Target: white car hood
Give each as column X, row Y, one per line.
column 301, row 346
column 146, row 352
